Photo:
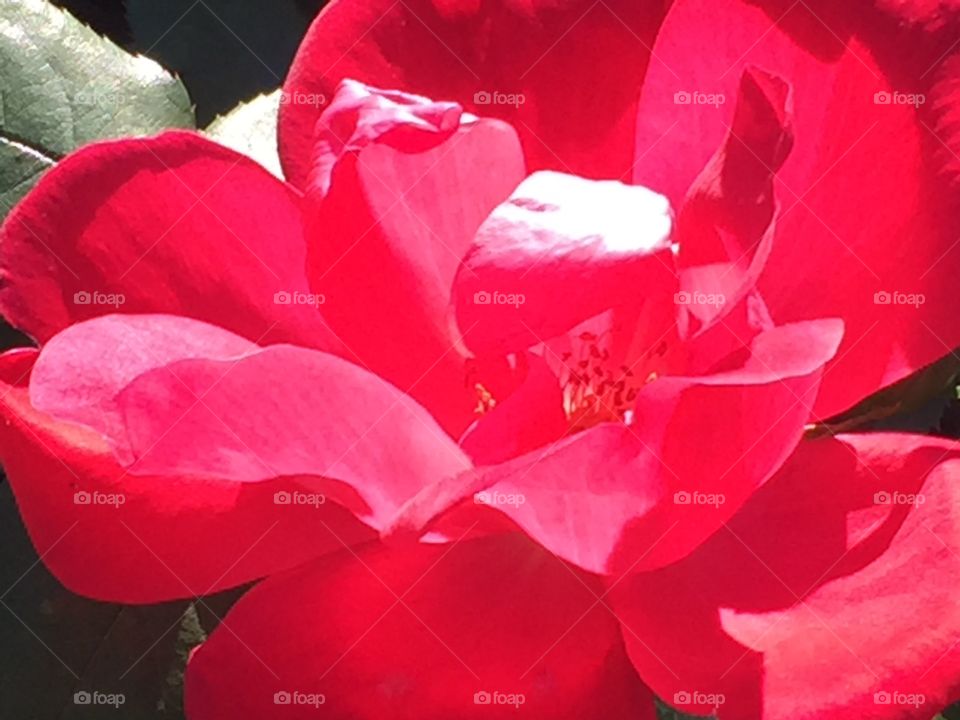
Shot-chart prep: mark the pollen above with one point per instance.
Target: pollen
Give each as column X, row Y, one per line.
column 485, row 400
column 594, row 390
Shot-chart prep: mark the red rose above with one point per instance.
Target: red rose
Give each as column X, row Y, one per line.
column 646, row 277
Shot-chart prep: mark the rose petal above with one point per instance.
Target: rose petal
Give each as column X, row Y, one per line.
column 277, row 411
column 421, row 631
column 561, row 250
column 81, row 371
column 840, row 562
column 725, row 228
column 113, row 536
column 173, row 224
column 395, row 209
column 869, row 192
column 565, row 75
column 360, row 116
column 616, row 499
column 530, row 417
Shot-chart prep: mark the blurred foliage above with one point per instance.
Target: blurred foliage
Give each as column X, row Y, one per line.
column 56, row 644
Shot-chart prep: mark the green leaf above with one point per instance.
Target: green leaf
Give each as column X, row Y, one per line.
column 914, row 404
column 20, row 168
column 62, row 86
column 251, row 129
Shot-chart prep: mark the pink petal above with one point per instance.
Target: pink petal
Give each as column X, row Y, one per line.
column 830, row 595
column 277, row 411
column 395, row 209
column 530, row 417
column 561, row 250
column 172, row 224
column 566, row 75
column 725, row 227
column 113, row 536
column 360, row 115
column 419, row 631
column 80, row 371
column 868, row 193
column 618, row 499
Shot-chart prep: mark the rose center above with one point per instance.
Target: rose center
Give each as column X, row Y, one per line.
column 595, row 389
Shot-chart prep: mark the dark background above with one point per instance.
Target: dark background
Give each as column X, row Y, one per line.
column 224, row 50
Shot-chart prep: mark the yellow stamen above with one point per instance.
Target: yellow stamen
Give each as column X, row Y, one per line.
column 485, row 400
